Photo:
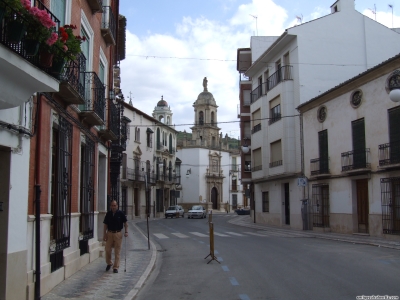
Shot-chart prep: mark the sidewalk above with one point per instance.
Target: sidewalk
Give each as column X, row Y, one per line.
column 93, row 282
column 247, row 221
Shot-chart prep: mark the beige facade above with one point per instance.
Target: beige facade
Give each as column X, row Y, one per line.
column 351, row 141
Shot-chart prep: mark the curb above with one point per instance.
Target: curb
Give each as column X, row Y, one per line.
column 131, row 295
column 327, row 237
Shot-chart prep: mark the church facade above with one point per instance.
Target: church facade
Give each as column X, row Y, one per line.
column 209, row 166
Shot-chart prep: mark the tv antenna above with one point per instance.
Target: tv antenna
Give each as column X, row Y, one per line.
column 373, row 11
column 299, row 19
column 391, row 6
column 255, row 17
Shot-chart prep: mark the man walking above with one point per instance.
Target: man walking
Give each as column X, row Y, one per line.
column 114, row 222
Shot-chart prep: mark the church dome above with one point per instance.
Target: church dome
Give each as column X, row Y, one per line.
column 162, row 102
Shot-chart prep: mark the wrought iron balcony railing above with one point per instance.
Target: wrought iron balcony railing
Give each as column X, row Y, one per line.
column 247, row 166
column 256, row 128
column 177, row 179
column 282, row 74
column 274, row 118
column 389, row 153
column 108, row 25
column 94, row 107
column 258, row 92
column 19, row 45
column 110, row 131
column 72, row 88
column 275, row 163
column 319, row 166
column 356, row 159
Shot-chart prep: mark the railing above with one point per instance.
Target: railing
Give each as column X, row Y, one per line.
column 247, row 166
column 108, row 24
column 256, row 168
column 284, row 73
column 94, row 94
column 275, row 163
column 160, row 146
column 20, row 47
column 389, row 153
column 257, row 93
column 274, row 118
column 234, row 168
column 172, row 150
column 177, row 179
column 256, row 128
column 113, row 118
column 319, row 166
column 72, row 73
column 356, row 159
column 133, row 174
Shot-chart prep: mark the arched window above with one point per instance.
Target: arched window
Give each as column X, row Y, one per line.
column 212, row 118
column 170, row 143
column 201, row 118
column 158, row 139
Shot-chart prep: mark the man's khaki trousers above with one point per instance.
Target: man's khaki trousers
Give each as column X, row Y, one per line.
column 114, row 240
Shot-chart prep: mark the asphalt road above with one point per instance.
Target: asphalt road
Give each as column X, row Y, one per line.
column 262, row 264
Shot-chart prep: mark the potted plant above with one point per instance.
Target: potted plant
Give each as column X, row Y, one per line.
column 40, row 27
column 13, row 12
column 66, row 47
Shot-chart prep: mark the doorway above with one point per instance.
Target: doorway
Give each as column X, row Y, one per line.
column 287, row 204
column 136, row 199
column 214, row 198
column 362, row 205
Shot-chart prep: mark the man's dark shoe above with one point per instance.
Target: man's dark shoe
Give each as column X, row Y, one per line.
column 115, row 270
column 108, row 267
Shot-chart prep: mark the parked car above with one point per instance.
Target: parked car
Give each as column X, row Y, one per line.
column 197, row 211
column 242, row 211
column 175, row 211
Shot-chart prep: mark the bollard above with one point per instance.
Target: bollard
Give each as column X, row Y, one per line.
column 211, row 228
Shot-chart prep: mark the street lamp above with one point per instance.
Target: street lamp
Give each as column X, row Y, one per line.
column 245, row 147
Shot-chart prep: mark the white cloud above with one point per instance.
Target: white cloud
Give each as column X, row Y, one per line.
column 175, row 66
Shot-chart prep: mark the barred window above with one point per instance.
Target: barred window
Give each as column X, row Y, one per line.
column 265, row 201
column 390, row 198
column 320, row 205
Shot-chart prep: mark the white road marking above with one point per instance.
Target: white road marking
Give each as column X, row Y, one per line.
column 179, row 235
column 199, row 234
column 234, row 233
column 161, row 236
column 253, row 233
column 220, row 234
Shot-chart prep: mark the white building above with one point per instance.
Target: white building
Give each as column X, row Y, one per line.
column 210, row 170
column 305, row 61
column 149, row 161
column 352, row 154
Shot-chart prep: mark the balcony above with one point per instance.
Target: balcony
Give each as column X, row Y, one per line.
column 356, row 161
column 256, row 128
column 92, row 111
column 275, row 164
column 110, row 131
column 96, row 5
column 132, row 174
column 18, row 67
column 258, row 92
column 389, row 155
column 319, row 166
column 108, row 26
column 72, row 89
column 282, row 74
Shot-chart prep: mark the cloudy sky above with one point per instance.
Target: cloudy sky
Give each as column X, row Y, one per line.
column 173, row 44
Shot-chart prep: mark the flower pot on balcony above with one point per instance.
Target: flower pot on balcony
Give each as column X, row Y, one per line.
column 57, row 66
column 15, row 31
column 31, row 47
column 46, row 59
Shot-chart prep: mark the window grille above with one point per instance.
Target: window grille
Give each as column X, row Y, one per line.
column 87, row 189
column 320, row 205
column 61, row 191
column 390, row 198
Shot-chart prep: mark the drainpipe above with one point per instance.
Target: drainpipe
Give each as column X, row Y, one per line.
column 37, row 199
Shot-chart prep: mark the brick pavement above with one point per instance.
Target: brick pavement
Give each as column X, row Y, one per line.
column 92, row 282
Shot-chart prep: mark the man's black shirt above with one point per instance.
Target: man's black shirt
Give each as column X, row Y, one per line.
column 115, row 221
